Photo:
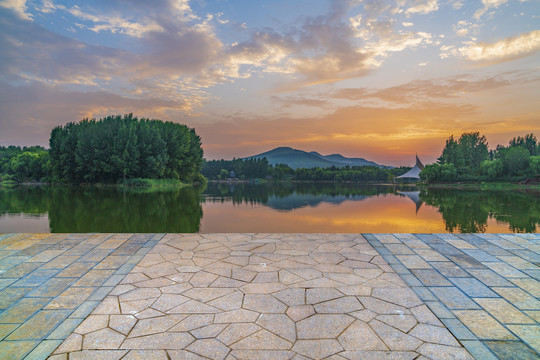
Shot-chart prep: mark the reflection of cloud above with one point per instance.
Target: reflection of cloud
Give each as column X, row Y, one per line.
column 505, row 50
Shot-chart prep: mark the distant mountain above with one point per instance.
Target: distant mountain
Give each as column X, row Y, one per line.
column 302, row 159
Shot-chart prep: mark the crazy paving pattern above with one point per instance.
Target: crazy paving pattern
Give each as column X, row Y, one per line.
column 262, row 296
column 484, row 287
column 49, row 283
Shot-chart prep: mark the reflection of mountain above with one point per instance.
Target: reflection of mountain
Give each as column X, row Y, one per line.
column 296, row 201
column 414, row 196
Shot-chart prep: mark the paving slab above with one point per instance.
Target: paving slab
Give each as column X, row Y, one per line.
column 485, row 290
column 274, row 296
column 52, row 282
column 257, row 296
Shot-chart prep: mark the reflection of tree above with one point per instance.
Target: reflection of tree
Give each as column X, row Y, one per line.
column 260, row 193
column 28, row 199
column 76, row 209
column 468, row 211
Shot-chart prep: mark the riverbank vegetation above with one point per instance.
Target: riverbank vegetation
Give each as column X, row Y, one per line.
column 468, row 159
column 244, row 169
column 121, row 150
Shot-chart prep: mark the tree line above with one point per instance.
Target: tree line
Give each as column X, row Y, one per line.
column 260, row 168
column 109, row 150
column 468, row 159
column 24, row 164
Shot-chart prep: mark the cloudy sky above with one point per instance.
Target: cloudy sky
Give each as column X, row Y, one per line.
column 380, row 79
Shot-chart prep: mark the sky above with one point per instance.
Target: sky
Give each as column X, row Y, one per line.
column 379, row 79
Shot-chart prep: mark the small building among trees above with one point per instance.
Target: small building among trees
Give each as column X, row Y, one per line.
column 414, row 173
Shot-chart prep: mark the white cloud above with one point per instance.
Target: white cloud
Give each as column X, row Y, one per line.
column 488, row 4
column 18, row 6
column 116, row 24
column 407, row 24
column 504, row 50
column 423, row 7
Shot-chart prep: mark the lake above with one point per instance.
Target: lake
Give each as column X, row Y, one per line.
column 280, row 207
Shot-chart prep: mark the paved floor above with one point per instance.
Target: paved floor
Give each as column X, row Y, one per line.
column 483, row 287
column 49, row 283
column 269, row 296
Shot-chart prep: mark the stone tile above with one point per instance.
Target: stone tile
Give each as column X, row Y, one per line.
column 433, row 334
column 435, row 351
column 192, row 322
column 92, row 323
column 344, row 304
column 71, row 298
column 528, row 333
column 453, row 298
column 503, row 311
column 317, row 349
column 39, row 325
column 403, row 296
column 104, row 339
column 511, row 350
column 155, row 325
column 430, row 277
column 291, row 296
column 72, row 343
column 377, row 355
column 518, row 298
column 146, row 354
column 505, row 270
column 236, row 332
column 489, row 278
column 11, row 295
column 401, row 322
column 323, row 326
column 300, row 312
column 483, row 325
column 263, row 303
column 413, row 262
column 380, row 306
column 279, row 324
column 16, row 349
column 317, row 295
column 472, row 287
column 22, row 310
column 262, row 340
column 240, row 315
column 532, row 286
column 359, row 336
column 209, row 331
column 393, row 338
column 97, row 355
column 165, row 341
column 209, row 348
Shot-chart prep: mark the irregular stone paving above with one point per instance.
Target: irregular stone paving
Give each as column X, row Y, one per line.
column 484, row 287
column 262, row 296
column 49, row 283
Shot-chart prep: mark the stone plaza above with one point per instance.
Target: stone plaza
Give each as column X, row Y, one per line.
column 269, row 296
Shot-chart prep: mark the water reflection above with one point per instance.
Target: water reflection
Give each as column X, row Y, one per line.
column 73, row 209
column 286, row 207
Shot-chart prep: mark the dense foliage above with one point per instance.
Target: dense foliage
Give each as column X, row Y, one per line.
column 123, row 147
column 468, row 158
column 24, row 164
column 259, row 168
column 243, row 169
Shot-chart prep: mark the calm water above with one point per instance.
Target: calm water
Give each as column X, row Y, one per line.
column 302, row 207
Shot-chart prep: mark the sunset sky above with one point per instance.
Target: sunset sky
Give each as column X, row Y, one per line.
column 376, row 79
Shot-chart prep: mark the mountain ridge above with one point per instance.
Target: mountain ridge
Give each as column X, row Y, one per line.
column 296, row 158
